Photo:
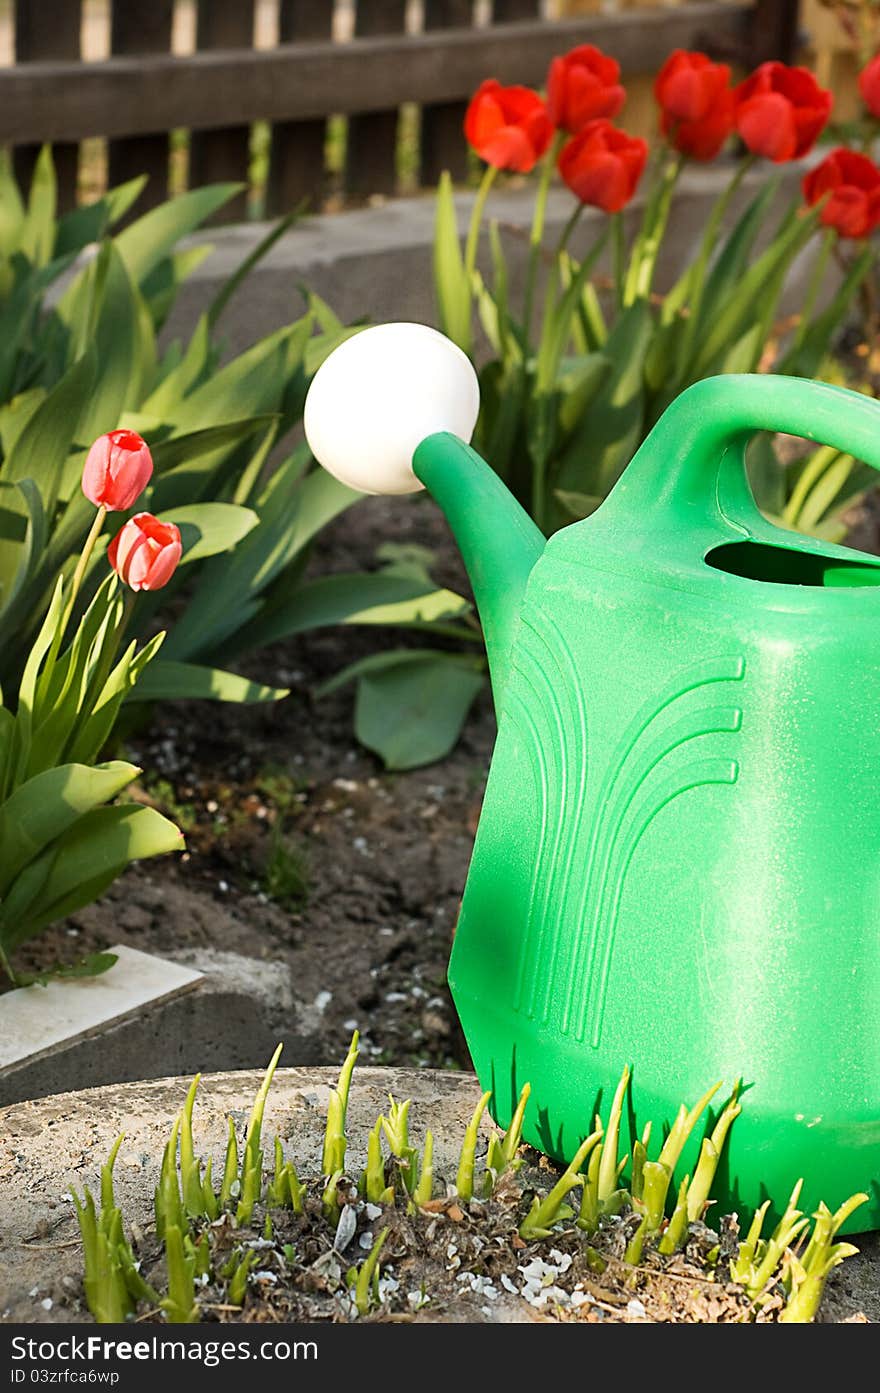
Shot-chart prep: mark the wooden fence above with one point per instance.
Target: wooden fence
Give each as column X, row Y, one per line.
column 232, row 95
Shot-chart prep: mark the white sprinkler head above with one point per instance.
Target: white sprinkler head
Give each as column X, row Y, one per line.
column 379, row 395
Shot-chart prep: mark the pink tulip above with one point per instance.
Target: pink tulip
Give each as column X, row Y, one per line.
column 118, row 468
column 145, row 552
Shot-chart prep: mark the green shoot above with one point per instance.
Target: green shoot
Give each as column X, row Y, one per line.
column 425, row 1188
column 201, row 1252
column 367, row 1282
column 805, row 1279
column 676, row 1230
column 252, row 1160
column 464, row 1181
column 396, row 1129
column 330, row 1198
column 588, row 1217
column 286, row 1191
column 543, row 1214
column 710, row 1153
column 231, row 1186
column 373, row 1179
column 501, row 1156
column 682, row 1127
column 656, row 1179
column 235, row 1292
column 609, row 1170
column 635, row 1246
column 168, row 1204
column 190, row 1169
column 180, row 1304
column 769, row 1254
column 334, row 1136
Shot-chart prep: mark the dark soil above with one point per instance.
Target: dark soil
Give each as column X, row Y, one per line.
column 300, row 849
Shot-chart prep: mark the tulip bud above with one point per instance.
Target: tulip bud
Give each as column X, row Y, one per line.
column 145, row 552
column 118, row 468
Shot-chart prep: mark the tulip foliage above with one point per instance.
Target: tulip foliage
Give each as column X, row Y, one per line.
column 579, row 372
column 88, row 368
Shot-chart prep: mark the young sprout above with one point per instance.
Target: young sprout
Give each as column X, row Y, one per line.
column 252, row 1160
column 682, row 1127
column 168, row 1204
column 769, row 1255
column 373, row 1184
column 710, row 1153
column 190, row 1168
column 676, row 1229
column 366, row 1281
column 235, row 1292
column 396, row 1129
column 588, row 1216
column 180, row 1304
column 286, row 1190
column 543, row 1214
column 656, row 1178
column 201, row 1253
column 610, row 1169
column 231, row 1186
column 501, row 1156
column 464, row 1180
column 334, row 1136
column 806, row 1278
column 425, row 1188
column 330, row 1198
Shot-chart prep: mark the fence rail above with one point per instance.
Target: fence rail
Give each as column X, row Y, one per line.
column 143, row 91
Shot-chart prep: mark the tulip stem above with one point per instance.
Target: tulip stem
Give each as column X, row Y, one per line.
column 76, row 582
column 473, row 237
column 537, row 233
column 817, row 277
column 643, row 261
column 701, row 265
column 569, row 229
column 619, row 250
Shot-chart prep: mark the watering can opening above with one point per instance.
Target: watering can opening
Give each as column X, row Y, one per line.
column 759, row 561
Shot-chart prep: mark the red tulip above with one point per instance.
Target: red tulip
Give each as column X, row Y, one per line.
column 696, row 103
column 869, row 86
column 602, row 165
column 145, row 552
column 780, row 111
column 118, row 468
column 582, row 86
column 852, row 183
column 508, row 126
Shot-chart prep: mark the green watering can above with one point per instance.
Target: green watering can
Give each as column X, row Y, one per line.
column 678, row 860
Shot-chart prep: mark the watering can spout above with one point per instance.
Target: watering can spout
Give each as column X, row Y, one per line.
column 391, row 411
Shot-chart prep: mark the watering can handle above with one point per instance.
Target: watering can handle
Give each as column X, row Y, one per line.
column 679, row 463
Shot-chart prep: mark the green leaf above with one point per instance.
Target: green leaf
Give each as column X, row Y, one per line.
column 38, row 229
column 94, row 965
column 12, row 212
column 144, row 243
column 84, row 862
column 209, row 528
column 89, row 224
column 263, row 247
column 410, row 706
column 611, row 427
column 162, row 286
column 451, row 289
column 41, row 449
column 47, row 805
column 165, row 680
column 359, row 597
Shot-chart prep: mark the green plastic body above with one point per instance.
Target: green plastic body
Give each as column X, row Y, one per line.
column 677, row 865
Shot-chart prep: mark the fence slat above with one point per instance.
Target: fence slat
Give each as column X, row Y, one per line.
column 371, row 153
column 142, row 27
column 296, row 156
column 443, row 145
column 55, row 33
column 774, row 30
column 506, row 10
column 127, row 96
column 218, row 155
